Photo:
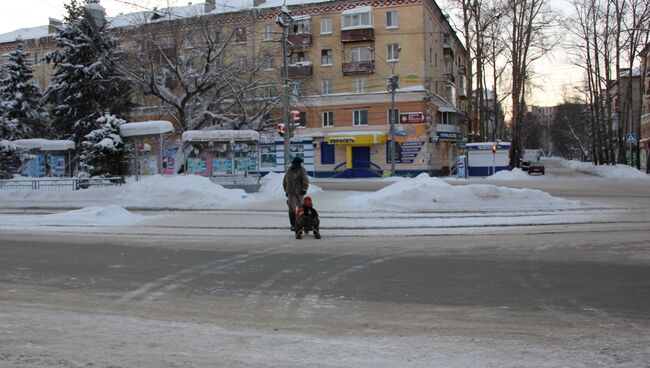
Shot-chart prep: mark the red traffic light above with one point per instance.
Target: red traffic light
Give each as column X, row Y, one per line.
column 494, row 148
column 280, row 129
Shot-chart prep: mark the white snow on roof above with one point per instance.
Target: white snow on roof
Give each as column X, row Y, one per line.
column 153, row 127
column 25, row 34
column 159, row 15
column 45, row 144
column 636, row 71
column 7, row 145
column 357, row 10
column 220, row 135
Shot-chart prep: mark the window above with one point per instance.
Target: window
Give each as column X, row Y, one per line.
column 269, row 92
column 391, row 19
column 392, row 52
column 326, row 57
column 240, row 34
column 326, row 26
column 267, row 33
column 360, row 117
column 358, row 54
column 358, row 85
column 327, row 153
column 241, row 63
column 301, row 25
column 327, row 86
column 357, row 20
column 268, row 157
column 395, row 113
column 299, row 57
column 268, row 63
column 328, row 119
column 297, row 150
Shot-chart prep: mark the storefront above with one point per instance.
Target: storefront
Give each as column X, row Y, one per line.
column 225, row 155
column 272, row 153
column 46, row 158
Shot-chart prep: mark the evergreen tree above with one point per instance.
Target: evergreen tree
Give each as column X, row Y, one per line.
column 9, row 159
column 87, row 83
column 102, row 149
column 21, row 112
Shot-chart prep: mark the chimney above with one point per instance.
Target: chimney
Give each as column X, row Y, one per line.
column 209, row 5
column 258, row 2
column 53, row 25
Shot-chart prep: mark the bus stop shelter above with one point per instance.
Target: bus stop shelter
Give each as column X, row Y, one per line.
column 225, row 156
column 155, row 130
column 51, row 158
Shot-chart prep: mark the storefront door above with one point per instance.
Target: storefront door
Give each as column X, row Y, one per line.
column 361, row 157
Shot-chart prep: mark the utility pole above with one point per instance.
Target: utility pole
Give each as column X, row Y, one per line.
column 393, row 85
column 284, row 20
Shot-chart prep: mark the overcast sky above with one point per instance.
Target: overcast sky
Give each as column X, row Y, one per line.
column 554, row 72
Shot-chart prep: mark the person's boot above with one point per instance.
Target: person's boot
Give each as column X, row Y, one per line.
column 292, row 220
column 317, row 233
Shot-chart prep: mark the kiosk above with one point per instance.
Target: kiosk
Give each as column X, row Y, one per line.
column 155, row 131
column 51, row 158
column 225, row 156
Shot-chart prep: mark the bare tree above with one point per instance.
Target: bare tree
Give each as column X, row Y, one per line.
column 204, row 74
column 529, row 39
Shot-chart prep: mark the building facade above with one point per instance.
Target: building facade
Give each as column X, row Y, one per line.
column 343, row 54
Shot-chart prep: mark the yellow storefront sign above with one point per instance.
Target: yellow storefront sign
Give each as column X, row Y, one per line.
column 357, row 140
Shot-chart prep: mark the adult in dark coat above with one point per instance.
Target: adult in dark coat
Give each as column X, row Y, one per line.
column 295, row 185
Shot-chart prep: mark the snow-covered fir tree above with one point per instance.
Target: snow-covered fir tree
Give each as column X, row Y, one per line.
column 102, row 149
column 21, row 112
column 87, row 83
column 9, row 158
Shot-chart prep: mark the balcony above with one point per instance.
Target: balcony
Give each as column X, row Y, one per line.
column 357, row 35
column 300, row 39
column 448, row 49
column 300, row 70
column 358, row 67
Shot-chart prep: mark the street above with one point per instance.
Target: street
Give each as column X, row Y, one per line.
column 569, row 293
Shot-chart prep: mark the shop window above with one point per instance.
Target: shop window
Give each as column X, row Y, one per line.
column 297, row 150
column 245, row 157
column 327, row 153
column 221, row 159
column 268, row 157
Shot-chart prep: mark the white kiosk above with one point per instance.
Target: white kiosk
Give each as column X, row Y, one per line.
column 155, row 129
column 46, row 157
column 225, row 156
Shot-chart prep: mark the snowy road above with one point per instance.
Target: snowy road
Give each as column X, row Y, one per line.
column 565, row 285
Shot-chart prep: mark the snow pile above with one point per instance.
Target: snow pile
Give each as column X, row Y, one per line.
column 183, row 191
column 515, row 174
column 425, row 193
column 606, row 171
column 109, row 215
column 272, row 187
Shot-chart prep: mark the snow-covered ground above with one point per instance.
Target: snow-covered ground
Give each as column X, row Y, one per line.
column 514, row 174
column 606, row 171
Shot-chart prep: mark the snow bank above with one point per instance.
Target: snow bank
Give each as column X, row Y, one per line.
column 515, row 174
column 109, row 215
column 272, row 187
column 425, row 193
column 606, row 171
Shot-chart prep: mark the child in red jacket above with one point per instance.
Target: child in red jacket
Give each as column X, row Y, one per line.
column 307, row 218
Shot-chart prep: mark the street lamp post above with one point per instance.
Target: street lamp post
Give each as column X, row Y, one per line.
column 392, row 89
column 284, row 20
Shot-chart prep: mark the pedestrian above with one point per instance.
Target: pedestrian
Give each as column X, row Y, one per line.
column 295, row 186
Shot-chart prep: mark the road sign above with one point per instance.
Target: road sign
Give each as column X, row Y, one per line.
column 631, row 138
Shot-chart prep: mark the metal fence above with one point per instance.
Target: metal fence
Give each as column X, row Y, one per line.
column 58, row 184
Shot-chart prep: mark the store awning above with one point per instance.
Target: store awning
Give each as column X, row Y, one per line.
column 220, row 135
column 356, row 138
column 45, row 144
column 146, row 128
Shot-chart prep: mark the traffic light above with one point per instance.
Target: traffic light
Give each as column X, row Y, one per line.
column 280, row 130
column 494, row 148
column 295, row 118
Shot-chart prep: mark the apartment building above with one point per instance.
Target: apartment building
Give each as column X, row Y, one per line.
column 344, row 52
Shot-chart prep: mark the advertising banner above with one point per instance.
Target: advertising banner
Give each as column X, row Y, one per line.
column 57, row 166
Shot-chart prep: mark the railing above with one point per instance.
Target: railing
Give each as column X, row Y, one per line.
column 300, row 39
column 356, row 35
column 300, row 71
column 358, row 67
column 58, row 184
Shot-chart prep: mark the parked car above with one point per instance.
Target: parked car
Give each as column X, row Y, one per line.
column 525, row 165
column 536, row 168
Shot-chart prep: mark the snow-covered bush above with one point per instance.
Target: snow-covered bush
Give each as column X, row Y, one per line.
column 102, row 149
